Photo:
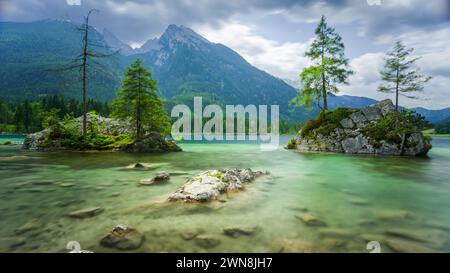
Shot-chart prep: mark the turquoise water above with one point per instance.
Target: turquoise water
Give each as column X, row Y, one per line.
column 404, row 203
column 15, row 139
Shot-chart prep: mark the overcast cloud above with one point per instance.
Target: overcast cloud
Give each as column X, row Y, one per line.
column 274, row 34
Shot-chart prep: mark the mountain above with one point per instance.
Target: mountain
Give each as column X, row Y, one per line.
column 115, row 44
column 32, row 55
column 184, row 63
column 434, row 115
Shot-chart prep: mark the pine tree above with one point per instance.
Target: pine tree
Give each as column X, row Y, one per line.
column 330, row 66
column 398, row 74
column 138, row 102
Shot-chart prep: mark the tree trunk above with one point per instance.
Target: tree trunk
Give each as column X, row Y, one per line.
column 138, row 114
column 324, row 89
column 396, row 89
column 85, row 53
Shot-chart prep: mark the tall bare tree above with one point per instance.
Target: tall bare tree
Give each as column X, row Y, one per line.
column 83, row 60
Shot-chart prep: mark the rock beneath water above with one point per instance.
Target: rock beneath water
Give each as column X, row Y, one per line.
column 236, row 231
column 358, row 202
column 295, row 246
column 67, row 185
column 29, row 226
column 337, row 233
column 161, row 177
column 207, row 241
column 395, row 215
column 406, row 234
column 189, row 234
column 139, row 166
column 12, row 242
column 404, row 246
column 123, row 237
column 211, row 184
column 376, row 129
column 298, row 208
column 311, row 220
column 86, row 212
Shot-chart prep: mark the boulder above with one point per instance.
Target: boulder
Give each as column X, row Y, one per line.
column 207, row 241
column 159, row 178
column 210, row 184
column 86, row 212
column 123, row 237
column 376, row 129
column 236, row 231
column 311, row 220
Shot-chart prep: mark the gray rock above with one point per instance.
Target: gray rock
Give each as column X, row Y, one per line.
column 385, row 106
column 123, row 237
column 207, row 241
column 209, row 185
column 353, row 135
column 29, row 226
column 372, row 113
column 359, row 118
column 347, row 123
column 311, row 220
column 236, row 231
column 86, row 212
column 354, row 145
column 159, row 178
column 404, row 246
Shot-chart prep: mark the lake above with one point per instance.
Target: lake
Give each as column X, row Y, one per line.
column 403, row 203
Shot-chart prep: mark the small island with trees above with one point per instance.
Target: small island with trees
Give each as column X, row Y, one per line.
column 138, row 122
column 381, row 128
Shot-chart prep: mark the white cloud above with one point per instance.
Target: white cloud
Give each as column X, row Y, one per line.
column 432, row 47
column 284, row 60
column 73, row 2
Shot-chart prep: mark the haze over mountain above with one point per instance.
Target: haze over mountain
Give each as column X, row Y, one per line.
column 184, row 63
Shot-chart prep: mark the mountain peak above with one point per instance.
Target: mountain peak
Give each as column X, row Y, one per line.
column 182, row 34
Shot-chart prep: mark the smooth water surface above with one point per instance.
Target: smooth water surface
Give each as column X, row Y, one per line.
column 404, row 203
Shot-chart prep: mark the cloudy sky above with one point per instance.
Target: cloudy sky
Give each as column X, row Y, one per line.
column 274, row 34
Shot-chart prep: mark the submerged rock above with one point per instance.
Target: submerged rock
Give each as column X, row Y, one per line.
column 207, row 241
column 311, row 220
column 236, row 231
column 209, row 185
column 161, row 177
column 29, row 226
column 404, row 246
column 395, row 215
column 123, row 237
column 376, row 129
column 86, row 212
column 295, row 246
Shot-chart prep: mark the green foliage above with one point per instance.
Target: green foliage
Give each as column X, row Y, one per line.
column 8, row 142
column 138, row 101
column 325, row 123
column 392, row 128
column 291, row 144
column 28, row 117
column 330, row 67
column 443, row 127
column 398, row 75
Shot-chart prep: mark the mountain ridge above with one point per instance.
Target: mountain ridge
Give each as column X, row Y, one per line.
column 184, row 63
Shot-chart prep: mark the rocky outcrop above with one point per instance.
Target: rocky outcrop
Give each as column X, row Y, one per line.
column 123, row 237
column 376, row 129
column 67, row 136
column 209, row 185
column 161, row 177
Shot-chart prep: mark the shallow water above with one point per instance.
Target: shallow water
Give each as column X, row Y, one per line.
column 404, row 203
